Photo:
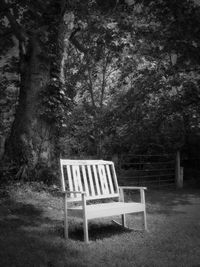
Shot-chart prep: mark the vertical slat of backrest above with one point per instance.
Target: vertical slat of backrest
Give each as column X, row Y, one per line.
column 62, row 176
column 85, row 182
column 96, row 179
column 103, row 179
column 110, row 182
column 116, row 188
column 77, row 177
column 91, row 184
column 69, row 176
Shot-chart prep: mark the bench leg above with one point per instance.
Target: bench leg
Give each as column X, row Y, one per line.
column 66, row 228
column 145, row 220
column 123, row 220
column 65, row 219
column 85, row 230
column 142, row 196
column 85, row 220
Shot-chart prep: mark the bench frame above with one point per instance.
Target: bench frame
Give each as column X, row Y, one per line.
column 95, row 180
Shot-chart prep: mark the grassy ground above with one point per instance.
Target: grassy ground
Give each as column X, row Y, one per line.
column 31, row 232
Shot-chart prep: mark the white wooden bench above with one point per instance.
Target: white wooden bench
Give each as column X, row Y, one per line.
column 84, row 180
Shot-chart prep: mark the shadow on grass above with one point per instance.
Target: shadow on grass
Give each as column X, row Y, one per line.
column 27, row 238
column 97, row 231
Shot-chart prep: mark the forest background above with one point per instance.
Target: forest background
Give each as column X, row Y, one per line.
column 94, row 78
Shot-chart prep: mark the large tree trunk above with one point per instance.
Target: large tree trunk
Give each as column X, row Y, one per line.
column 33, row 136
column 32, row 139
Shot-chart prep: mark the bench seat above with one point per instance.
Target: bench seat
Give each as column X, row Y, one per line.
column 106, row 209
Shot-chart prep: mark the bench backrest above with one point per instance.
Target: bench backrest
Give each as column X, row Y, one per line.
column 97, row 178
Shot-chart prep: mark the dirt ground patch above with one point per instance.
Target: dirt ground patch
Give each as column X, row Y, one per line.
column 31, row 231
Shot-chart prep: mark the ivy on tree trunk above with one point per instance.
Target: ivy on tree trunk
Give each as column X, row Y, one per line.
column 42, row 52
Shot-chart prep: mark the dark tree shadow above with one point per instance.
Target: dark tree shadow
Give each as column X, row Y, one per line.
column 97, row 231
column 28, row 238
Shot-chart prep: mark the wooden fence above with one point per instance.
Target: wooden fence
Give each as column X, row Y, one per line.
column 149, row 170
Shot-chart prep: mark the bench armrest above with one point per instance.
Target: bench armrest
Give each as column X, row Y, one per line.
column 133, row 187
column 141, row 188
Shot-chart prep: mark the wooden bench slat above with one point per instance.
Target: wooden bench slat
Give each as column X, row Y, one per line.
column 105, row 181
column 96, row 179
column 110, row 179
column 76, row 188
column 115, row 183
column 62, row 178
column 84, row 162
column 103, row 191
column 86, row 189
column 77, row 177
column 71, row 188
column 91, row 184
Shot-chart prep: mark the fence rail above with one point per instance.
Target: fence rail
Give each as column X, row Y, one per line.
column 151, row 170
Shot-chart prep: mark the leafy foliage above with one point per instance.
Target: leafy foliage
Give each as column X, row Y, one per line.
column 138, row 86
column 130, row 72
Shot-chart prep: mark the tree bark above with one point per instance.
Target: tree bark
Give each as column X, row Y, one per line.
column 31, row 140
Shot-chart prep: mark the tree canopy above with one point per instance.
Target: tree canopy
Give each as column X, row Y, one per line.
column 106, row 76
column 139, row 84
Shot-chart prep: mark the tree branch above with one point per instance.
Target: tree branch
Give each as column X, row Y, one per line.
column 18, row 31
column 103, row 81
column 91, row 88
column 76, row 43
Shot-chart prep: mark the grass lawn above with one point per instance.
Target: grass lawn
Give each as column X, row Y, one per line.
column 31, row 232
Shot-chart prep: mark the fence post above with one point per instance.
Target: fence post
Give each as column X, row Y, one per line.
column 179, row 171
